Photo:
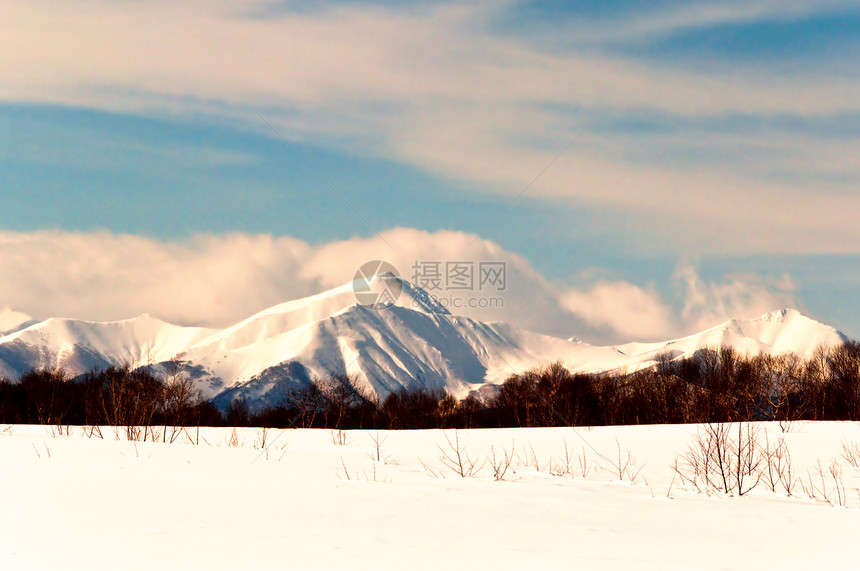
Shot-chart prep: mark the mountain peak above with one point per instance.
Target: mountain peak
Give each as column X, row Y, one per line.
column 386, row 289
column 780, row 315
column 420, row 299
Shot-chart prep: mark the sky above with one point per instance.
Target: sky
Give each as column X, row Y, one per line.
column 644, row 170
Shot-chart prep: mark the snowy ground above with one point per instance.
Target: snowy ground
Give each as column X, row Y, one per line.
column 74, row 502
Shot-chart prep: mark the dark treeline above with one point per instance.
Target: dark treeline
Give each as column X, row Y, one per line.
column 113, row 397
column 712, row 386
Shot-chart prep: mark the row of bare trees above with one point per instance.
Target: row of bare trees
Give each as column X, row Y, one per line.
column 117, row 396
column 714, row 385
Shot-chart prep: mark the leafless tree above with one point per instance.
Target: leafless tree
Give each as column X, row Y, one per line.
column 180, row 396
column 310, row 402
column 340, row 397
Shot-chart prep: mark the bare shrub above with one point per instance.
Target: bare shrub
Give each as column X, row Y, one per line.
column 233, row 441
column 570, row 465
column 339, row 437
column 377, row 453
column 812, row 488
column 564, row 465
column 262, row 437
column 776, row 466
column 688, row 471
column 428, row 468
column 456, row 458
column 135, row 433
column 825, row 484
column 500, row 463
column 92, row 430
column 624, row 464
column 789, row 482
column 724, row 457
column 375, row 475
column 56, row 430
column 851, row 453
column 746, row 458
column 530, row 459
column 193, row 440
column 346, row 473
column 47, row 450
column 835, row 471
column 584, row 466
column 672, row 483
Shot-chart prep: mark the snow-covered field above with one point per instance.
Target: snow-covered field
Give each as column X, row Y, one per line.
column 306, row 501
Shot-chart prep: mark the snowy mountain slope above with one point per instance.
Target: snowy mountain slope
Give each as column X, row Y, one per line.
column 79, row 346
column 414, row 343
column 779, row 332
column 399, row 348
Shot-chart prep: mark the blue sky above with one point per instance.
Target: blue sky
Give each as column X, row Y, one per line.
column 718, row 137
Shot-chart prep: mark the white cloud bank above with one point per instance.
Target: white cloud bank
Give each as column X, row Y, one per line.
column 218, row 280
column 11, row 320
column 634, row 312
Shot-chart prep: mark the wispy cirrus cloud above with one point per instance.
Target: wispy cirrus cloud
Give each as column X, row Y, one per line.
column 440, row 87
column 661, row 19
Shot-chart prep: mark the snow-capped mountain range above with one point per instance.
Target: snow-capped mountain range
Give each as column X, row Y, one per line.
column 414, row 343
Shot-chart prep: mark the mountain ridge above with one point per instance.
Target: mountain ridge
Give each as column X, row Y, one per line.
column 413, row 343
